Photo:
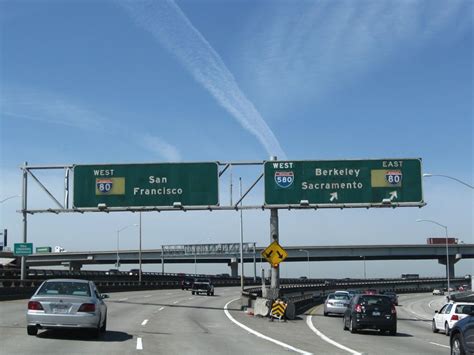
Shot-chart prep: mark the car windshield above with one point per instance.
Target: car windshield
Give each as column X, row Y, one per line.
column 67, row 288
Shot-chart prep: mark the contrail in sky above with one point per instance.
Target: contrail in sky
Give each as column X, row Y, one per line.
column 170, row 26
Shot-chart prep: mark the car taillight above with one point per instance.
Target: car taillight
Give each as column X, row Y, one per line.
column 454, row 317
column 394, row 310
column 87, row 307
column 358, row 308
column 35, row 306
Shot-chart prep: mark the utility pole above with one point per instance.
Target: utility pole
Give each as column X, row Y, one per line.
column 275, row 272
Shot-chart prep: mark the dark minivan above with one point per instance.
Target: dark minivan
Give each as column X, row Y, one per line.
column 371, row 312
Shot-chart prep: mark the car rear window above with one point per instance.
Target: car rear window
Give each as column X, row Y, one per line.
column 341, row 296
column 464, row 309
column 374, row 300
column 65, row 288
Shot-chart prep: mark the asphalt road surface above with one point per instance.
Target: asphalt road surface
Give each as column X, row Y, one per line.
column 174, row 321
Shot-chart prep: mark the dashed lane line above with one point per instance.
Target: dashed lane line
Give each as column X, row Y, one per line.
column 162, row 308
column 139, row 344
column 444, row 346
column 145, row 322
column 260, row 335
column 311, row 326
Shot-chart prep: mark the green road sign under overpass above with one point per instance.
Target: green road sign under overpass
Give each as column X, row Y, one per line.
column 344, row 183
column 22, row 249
column 134, row 185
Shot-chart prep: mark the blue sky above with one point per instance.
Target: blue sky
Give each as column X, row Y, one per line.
column 155, row 81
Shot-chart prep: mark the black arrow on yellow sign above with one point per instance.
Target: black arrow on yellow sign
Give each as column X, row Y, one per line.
column 280, row 255
column 270, row 253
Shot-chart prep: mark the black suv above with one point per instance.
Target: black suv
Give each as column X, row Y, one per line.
column 371, row 312
column 187, row 283
column 203, row 285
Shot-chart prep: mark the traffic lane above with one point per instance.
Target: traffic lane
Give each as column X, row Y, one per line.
column 124, row 320
column 200, row 326
column 410, row 339
column 292, row 332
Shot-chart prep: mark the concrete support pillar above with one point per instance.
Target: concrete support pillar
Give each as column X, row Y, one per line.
column 234, row 267
column 452, row 260
column 75, row 266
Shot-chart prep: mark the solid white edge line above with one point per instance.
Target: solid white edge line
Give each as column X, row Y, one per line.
column 145, row 322
column 444, row 346
column 260, row 335
column 326, row 339
column 139, row 344
column 162, row 308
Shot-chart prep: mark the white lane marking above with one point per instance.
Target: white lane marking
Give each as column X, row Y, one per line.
column 162, row 308
column 139, row 344
column 123, row 299
column 147, row 296
column 169, row 293
column 175, row 302
column 327, row 339
column 260, row 335
column 444, row 346
column 190, row 298
column 145, row 322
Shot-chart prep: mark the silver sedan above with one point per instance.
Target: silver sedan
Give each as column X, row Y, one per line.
column 67, row 304
column 336, row 303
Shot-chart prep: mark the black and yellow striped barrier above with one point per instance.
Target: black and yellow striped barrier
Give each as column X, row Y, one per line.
column 278, row 309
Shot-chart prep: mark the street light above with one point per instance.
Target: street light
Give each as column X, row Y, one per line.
column 118, row 241
column 365, row 270
column 450, row 177
column 447, row 249
column 6, row 199
column 309, row 270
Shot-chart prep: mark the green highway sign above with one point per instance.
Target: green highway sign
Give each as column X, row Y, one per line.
column 22, row 249
column 135, row 185
column 341, row 183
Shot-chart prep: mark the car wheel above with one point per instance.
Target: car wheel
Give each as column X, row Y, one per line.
column 212, row 293
column 325, row 314
column 192, row 292
column 352, row 327
column 446, row 329
column 31, row 330
column 104, row 325
column 344, row 325
column 393, row 331
column 433, row 327
column 456, row 345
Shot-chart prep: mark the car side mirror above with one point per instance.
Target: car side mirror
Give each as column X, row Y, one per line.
column 103, row 296
column 436, row 311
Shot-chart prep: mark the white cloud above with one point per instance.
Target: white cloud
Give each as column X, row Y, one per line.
column 172, row 29
column 25, row 104
column 301, row 53
column 160, row 147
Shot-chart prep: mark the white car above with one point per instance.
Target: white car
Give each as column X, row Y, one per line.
column 438, row 292
column 449, row 314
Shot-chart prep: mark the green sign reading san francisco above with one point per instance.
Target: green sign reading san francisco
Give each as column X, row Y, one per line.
column 135, row 185
column 344, row 182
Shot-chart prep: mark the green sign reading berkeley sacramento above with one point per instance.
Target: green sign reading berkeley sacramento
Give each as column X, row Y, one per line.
column 127, row 185
column 367, row 182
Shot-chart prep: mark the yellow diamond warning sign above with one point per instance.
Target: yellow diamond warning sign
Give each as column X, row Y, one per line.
column 274, row 254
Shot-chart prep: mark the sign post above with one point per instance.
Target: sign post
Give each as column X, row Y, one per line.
column 344, row 183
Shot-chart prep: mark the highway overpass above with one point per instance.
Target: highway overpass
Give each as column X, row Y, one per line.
column 315, row 253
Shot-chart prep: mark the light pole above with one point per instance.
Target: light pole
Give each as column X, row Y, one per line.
column 241, row 242
column 450, row 177
column 447, row 248
column 140, row 249
column 307, row 254
column 365, row 269
column 6, row 199
column 118, row 241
